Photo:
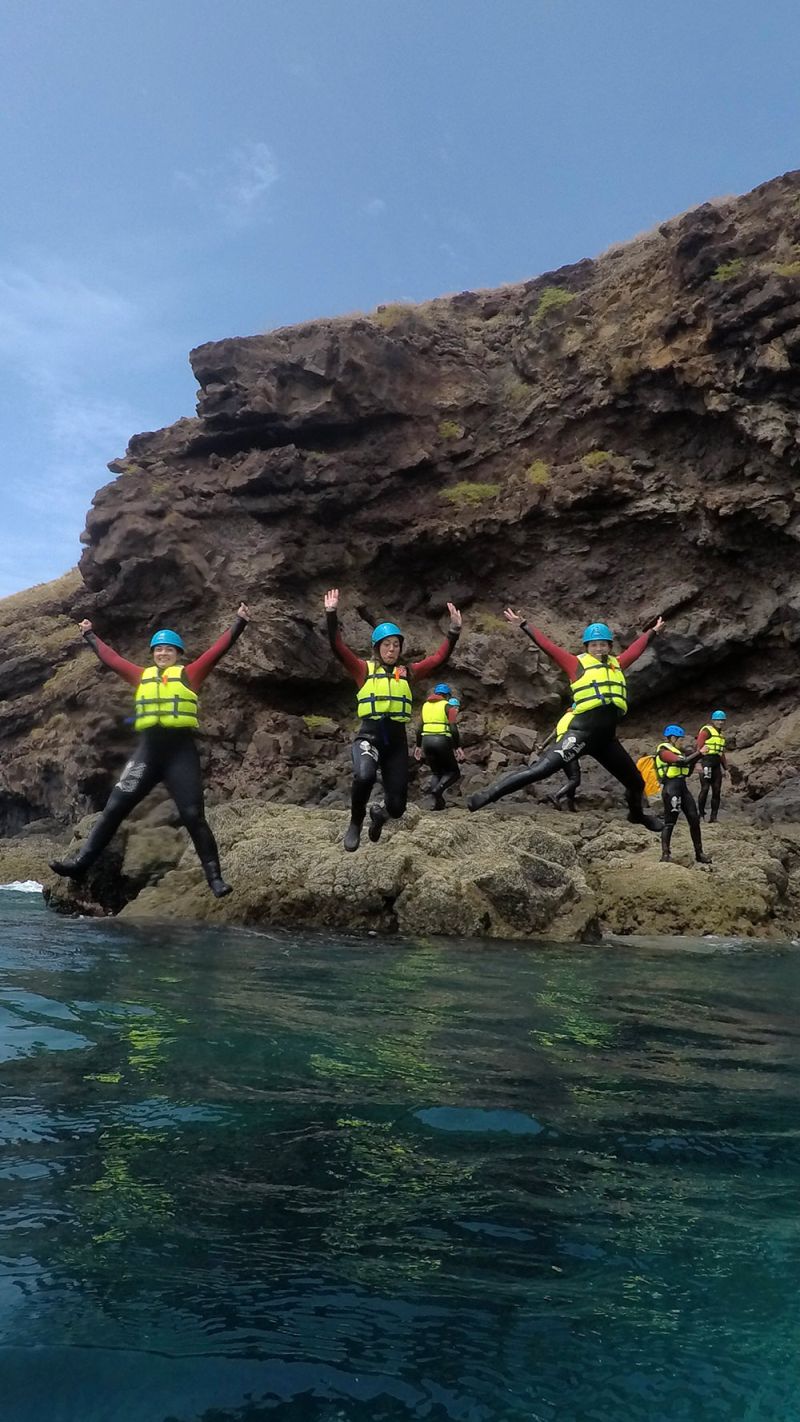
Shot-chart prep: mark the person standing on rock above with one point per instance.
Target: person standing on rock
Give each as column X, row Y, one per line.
column 166, row 719
column 384, row 706
column 672, row 769
column 711, row 742
column 599, row 701
column 439, row 742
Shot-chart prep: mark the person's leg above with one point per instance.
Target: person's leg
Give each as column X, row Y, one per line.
column 184, row 781
column 706, row 772
column 569, row 790
column 365, row 773
column 716, row 790
column 441, row 757
column 548, row 764
column 671, row 801
column 394, row 776
column 140, row 774
column 614, row 758
column 690, row 810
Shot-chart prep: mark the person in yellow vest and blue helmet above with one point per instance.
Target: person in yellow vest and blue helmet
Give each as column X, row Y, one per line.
column 439, row 741
column 599, row 701
column 673, row 769
column 166, row 718
column 711, row 743
column 384, row 707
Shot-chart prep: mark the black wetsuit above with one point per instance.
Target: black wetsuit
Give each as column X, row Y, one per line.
column 161, row 755
column 439, row 752
column 711, row 779
column 676, row 796
column 591, row 733
column 380, row 745
column 569, row 791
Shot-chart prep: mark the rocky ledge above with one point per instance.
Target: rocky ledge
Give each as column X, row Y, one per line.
column 507, row 873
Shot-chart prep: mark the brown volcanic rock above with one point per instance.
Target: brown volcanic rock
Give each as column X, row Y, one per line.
column 612, row 439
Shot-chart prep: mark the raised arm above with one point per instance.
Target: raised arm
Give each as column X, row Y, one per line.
column 127, row 670
column 562, row 658
column 640, row 645
column 355, row 666
column 437, row 659
column 198, row 670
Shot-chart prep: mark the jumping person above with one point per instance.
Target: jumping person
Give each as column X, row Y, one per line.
column 711, row 742
column 384, row 706
column 439, row 741
column 672, row 769
column 165, row 718
column 599, row 701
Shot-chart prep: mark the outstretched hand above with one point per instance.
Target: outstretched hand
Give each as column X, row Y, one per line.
column 455, row 617
column 85, row 626
column 657, row 625
column 515, row 618
column 331, row 599
column 243, row 611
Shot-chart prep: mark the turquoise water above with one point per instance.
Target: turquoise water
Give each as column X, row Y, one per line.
column 248, row 1177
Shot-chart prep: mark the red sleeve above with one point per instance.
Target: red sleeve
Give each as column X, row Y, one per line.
column 452, row 714
column 430, row 664
column 634, row 651
column 670, row 756
column 197, row 671
column 702, row 737
column 563, row 659
column 356, row 666
column 127, row 670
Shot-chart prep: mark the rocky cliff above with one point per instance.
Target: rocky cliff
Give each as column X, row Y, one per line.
column 613, row 439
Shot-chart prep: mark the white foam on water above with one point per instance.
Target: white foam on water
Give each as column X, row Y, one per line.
column 23, row 886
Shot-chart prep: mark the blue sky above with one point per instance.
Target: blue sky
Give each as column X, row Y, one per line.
column 175, row 171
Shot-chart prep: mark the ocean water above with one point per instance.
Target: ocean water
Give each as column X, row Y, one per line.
column 264, row 1176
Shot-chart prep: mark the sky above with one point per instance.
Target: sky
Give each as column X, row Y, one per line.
column 177, row 171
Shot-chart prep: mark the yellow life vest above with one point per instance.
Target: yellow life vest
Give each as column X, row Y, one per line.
column 599, row 684
column 384, row 693
column 164, row 699
column 664, row 770
column 434, row 718
column 564, row 724
column 715, row 743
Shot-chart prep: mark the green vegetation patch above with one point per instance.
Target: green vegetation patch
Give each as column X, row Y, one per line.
column 313, row 723
column 450, row 429
column 787, row 269
column 550, row 299
column 391, row 315
column 538, row 472
column 729, row 271
column 596, row 458
column 466, row 493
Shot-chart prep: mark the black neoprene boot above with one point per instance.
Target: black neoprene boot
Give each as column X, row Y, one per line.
column 69, row 868
column 666, row 836
column 352, row 835
column 480, row 799
column 377, row 820
column 214, row 878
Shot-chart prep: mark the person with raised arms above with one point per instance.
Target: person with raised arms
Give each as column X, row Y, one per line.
column 599, row 701
column 166, row 717
column 384, row 706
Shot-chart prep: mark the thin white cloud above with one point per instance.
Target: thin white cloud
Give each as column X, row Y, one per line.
column 376, row 207
column 64, row 343
column 234, row 189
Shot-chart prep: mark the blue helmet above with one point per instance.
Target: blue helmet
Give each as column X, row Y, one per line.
column 454, row 701
column 673, row 730
column 165, row 638
column 718, row 716
column 442, row 689
column 597, row 632
column 386, row 629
